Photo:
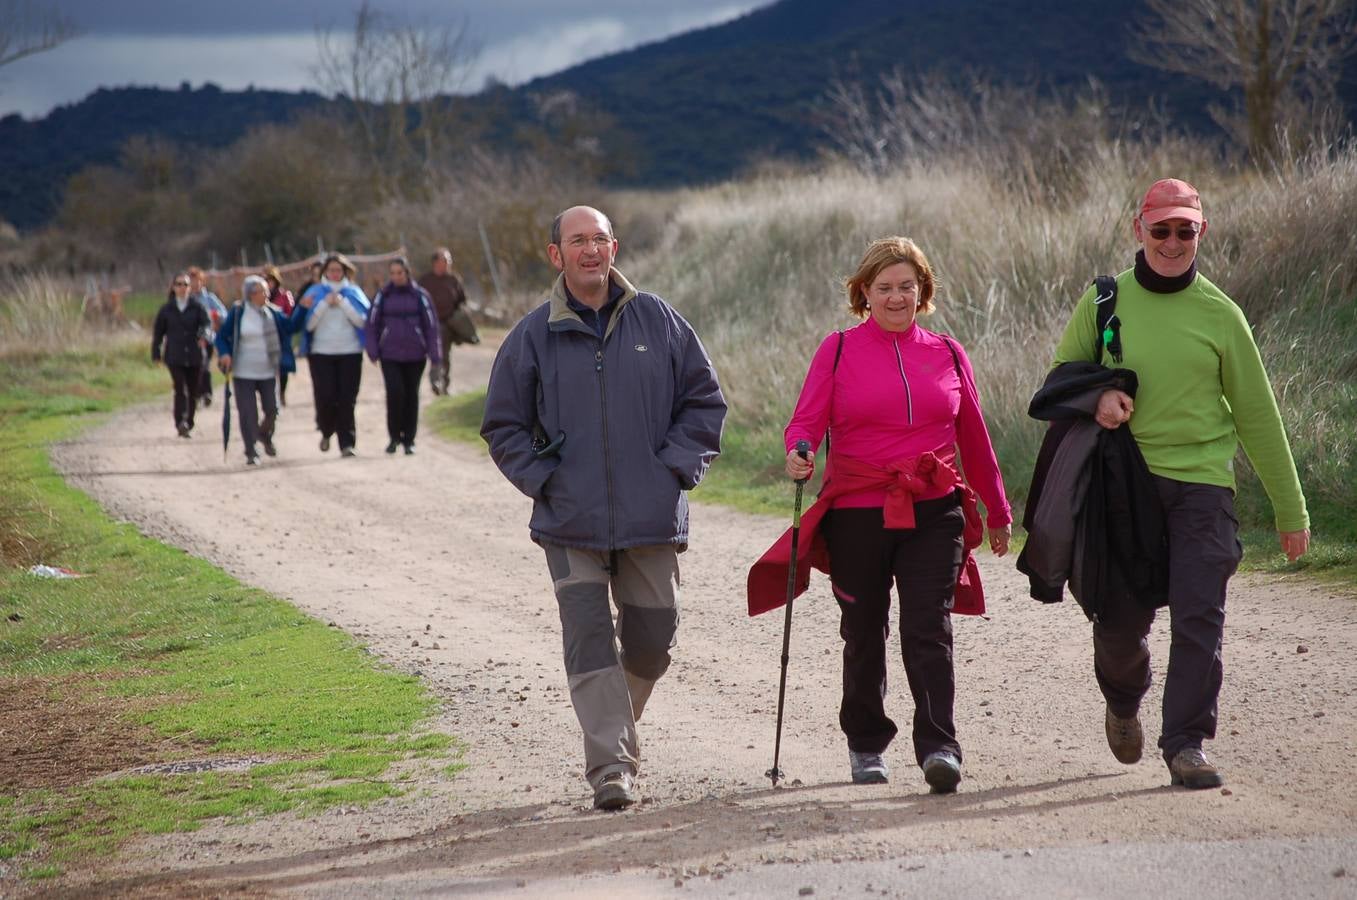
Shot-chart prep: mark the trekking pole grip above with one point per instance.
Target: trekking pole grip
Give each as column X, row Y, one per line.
column 803, row 451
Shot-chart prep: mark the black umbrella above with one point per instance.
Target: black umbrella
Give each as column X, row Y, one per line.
column 226, row 418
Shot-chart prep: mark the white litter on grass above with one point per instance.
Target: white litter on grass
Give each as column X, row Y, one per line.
column 53, row 572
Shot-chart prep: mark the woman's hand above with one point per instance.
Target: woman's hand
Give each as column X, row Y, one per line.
column 797, row 468
column 334, row 298
column 999, row 538
column 306, row 302
column 224, row 363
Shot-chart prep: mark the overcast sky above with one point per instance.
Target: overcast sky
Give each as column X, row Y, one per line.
column 272, row 43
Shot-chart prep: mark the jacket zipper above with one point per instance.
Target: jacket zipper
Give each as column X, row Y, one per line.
column 607, row 455
column 909, row 396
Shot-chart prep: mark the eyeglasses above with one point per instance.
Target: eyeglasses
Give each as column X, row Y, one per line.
column 599, row 240
column 1160, row 232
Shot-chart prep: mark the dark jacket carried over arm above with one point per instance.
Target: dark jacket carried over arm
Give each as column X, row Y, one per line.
column 1093, row 515
column 176, row 334
column 637, row 413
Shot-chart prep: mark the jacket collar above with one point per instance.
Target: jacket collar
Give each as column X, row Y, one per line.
column 562, row 317
column 890, row 337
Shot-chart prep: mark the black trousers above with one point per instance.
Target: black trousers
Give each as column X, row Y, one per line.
column 335, row 380
column 402, row 399
column 186, row 380
column 251, row 394
column 1204, row 551
column 282, row 386
column 924, row 563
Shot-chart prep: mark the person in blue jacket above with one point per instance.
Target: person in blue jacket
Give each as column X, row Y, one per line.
column 604, row 408
column 253, row 345
column 331, row 316
column 401, row 335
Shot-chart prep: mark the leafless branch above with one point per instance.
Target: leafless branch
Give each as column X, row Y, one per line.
column 27, row 28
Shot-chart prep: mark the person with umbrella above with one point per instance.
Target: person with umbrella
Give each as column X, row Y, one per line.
column 402, row 333
column 331, row 315
column 902, row 406
column 253, row 345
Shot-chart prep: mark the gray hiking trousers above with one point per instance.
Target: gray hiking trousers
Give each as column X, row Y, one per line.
column 613, row 666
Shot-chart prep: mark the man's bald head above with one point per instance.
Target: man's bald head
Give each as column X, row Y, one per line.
column 586, row 214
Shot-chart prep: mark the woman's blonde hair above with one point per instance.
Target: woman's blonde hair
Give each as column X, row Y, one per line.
column 883, row 253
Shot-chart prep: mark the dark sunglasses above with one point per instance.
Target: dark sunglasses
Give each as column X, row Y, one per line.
column 1186, row 233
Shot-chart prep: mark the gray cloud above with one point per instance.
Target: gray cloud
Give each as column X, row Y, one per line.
column 271, row 44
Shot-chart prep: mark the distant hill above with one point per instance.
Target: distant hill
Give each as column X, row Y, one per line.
column 696, row 107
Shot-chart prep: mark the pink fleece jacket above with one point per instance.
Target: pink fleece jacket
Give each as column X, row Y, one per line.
column 896, row 395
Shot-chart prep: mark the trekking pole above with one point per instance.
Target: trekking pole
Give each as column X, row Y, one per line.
column 775, row 773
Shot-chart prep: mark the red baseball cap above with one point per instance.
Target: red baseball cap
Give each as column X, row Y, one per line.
column 1171, row 198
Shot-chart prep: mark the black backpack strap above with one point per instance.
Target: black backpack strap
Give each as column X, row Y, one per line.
column 1108, row 324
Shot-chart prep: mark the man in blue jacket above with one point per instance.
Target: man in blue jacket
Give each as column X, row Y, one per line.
column 604, row 408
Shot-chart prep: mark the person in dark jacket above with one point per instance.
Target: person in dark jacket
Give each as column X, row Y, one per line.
column 253, row 345
column 604, row 408
column 1202, row 393
column 444, row 287
column 179, row 338
column 401, row 335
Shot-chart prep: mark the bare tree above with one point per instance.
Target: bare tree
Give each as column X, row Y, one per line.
column 396, row 76
column 1285, row 55
column 27, row 28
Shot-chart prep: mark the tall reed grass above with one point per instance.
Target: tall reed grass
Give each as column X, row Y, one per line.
column 756, row 266
column 42, row 313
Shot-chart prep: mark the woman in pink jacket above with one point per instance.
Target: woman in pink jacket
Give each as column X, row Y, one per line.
column 900, row 404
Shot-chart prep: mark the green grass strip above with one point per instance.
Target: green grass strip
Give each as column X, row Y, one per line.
column 212, row 665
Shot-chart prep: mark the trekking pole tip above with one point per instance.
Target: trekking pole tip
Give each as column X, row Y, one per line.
column 774, row 774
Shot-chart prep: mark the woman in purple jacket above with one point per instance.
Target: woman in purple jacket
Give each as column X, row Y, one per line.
column 402, row 335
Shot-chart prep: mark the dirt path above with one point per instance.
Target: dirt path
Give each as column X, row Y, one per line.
column 434, row 548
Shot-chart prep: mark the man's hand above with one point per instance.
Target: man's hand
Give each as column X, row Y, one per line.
column 798, row 468
column 1114, row 408
column 999, row 538
column 1295, row 543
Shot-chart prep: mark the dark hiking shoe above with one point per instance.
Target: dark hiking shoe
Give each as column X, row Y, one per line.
column 391, row 447
column 182, row 429
column 617, row 790
column 942, row 771
column 325, row 444
column 269, row 449
column 1125, row 737
column 409, row 449
column 868, row 768
column 1191, row 769
column 207, row 399
column 348, row 451
column 251, row 460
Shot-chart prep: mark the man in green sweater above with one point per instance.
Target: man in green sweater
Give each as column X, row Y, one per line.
column 1203, row 391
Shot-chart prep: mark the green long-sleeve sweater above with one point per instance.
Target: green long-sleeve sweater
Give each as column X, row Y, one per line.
column 1203, row 390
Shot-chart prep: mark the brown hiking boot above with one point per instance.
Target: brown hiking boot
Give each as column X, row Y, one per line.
column 1191, row 769
column 1124, row 737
